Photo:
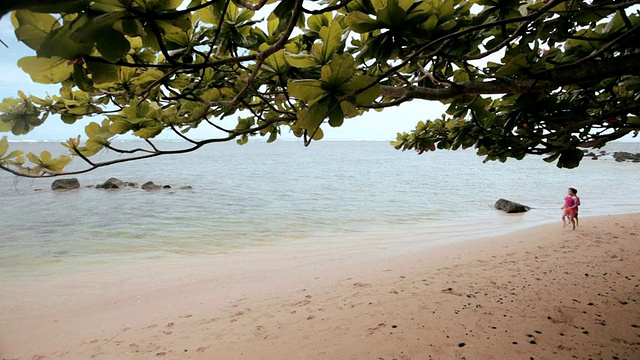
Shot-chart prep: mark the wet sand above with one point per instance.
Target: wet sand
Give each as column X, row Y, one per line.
column 542, row 293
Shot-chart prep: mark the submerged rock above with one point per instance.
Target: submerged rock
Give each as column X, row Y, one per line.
column 510, row 206
column 149, row 185
column 112, row 183
column 65, row 184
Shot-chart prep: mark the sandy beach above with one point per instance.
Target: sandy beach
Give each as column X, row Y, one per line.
column 543, row 293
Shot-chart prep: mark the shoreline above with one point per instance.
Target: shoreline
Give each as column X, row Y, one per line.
column 473, row 299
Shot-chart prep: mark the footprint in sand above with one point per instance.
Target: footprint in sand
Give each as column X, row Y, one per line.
column 208, row 321
column 361, row 285
column 238, row 314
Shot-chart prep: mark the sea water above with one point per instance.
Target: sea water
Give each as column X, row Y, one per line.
column 259, row 194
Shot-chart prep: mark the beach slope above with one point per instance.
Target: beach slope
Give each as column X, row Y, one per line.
column 542, row 293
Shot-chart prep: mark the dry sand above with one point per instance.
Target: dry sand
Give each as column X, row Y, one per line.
column 542, row 293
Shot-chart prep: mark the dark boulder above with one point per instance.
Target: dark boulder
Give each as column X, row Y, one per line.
column 112, row 183
column 65, row 184
column 149, row 185
column 510, row 206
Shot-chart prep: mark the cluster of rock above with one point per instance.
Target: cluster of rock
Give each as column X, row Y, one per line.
column 619, row 156
column 110, row 184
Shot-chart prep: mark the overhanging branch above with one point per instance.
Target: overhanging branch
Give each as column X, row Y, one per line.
column 590, row 72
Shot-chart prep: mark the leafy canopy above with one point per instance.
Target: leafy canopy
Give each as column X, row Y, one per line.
column 520, row 77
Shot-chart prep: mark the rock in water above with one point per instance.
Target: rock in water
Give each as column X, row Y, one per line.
column 510, row 206
column 149, row 186
column 65, row 184
column 113, row 183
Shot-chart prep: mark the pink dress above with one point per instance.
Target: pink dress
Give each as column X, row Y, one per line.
column 568, row 203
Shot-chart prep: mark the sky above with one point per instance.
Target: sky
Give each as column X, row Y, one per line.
column 372, row 125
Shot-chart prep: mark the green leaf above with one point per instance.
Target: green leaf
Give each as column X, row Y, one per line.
column 272, row 136
column 339, row 70
column 131, row 27
column 392, row 15
column 4, row 146
column 336, row 116
column 431, row 23
column 60, row 42
column 446, row 10
column 358, row 82
column 93, row 28
column 8, row 104
column 46, row 70
column 113, row 45
column 81, row 79
column 69, row 119
column 348, row 109
column 149, row 132
column 317, row 134
column 103, row 73
column 300, row 60
column 277, row 61
column 120, row 125
column 33, row 28
column 33, row 158
column 313, row 116
column 5, row 126
column 170, row 4
column 309, row 91
column 316, row 22
column 55, row 165
column 570, row 158
column 447, row 25
column 614, row 24
column 108, row 6
column 331, row 39
column 514, row 66
column 362, row 23
column 272, row 25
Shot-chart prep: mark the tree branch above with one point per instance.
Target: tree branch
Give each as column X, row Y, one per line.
column 589, row 72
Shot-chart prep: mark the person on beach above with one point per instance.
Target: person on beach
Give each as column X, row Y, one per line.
column 577, row 199
column 570, row 208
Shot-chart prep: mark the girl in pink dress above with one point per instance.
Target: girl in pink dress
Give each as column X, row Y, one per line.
column 570, row 208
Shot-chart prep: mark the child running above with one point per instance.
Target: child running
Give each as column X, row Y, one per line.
column 575, row 193
column 570, row 208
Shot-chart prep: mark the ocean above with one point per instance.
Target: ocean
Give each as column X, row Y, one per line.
column 271, row 195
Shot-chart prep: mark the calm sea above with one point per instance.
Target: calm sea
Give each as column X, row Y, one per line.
column 276, row 194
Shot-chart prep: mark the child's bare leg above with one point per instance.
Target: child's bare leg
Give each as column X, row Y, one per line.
column 573, row 221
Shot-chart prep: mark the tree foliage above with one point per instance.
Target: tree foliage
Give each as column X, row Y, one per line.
column 520, row 77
